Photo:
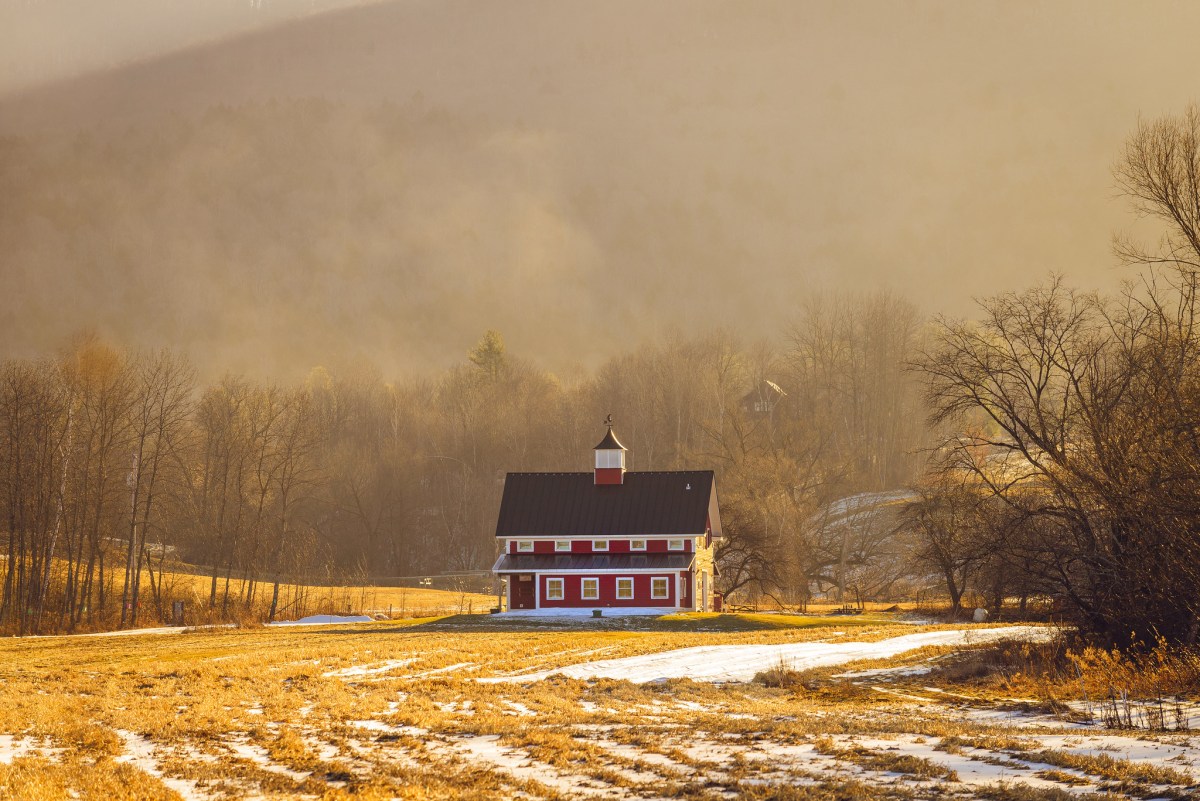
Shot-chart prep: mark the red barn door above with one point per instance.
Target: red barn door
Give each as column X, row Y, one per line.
column 521, row 592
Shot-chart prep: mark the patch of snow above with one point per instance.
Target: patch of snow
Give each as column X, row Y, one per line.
column 121, row 633
column 139, row 752
column 380, row 727
column 259, row 756
column 519, row 709
column 14, row 747
column 516, row 762
column 727, row 663
column 453, row 707
column 908, row 670
column 1179, row 754
column 447, row 669
column 906, row 696
column 970, row 765
column 131, row 632
column 692, row 706
column 633, row 753
column 325, row 750
column 862, row 504
column 362, row 670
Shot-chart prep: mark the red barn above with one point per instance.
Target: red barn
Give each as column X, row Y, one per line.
column 609, row 538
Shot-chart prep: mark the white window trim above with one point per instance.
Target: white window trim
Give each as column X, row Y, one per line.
column 632, row 589
column 558, row 543
column 671, row 545
column 633, row 547
column 524, row 546
column 583, row 589
column 561, row 584
column 666, row 587
column 596, row 547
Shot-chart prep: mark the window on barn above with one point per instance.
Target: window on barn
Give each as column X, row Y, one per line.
column 599, row 545
column 674, row 545
column 610, row 459
column 659, row 587
column 637, row 545
column 525, row 546
column 562, row 545
column 591, row 589
column 625, row 589
column 554, row 589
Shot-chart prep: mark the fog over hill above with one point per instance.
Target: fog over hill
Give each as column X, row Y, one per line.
column 384, row 181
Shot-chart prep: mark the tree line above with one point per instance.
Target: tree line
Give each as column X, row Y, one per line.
column 1072, row 468
column 1047, row 449
column 118, row 467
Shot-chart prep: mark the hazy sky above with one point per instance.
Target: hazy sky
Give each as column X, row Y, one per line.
column 45, row 40
column 598, row 170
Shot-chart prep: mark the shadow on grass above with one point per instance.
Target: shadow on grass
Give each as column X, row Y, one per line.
column 711, row 622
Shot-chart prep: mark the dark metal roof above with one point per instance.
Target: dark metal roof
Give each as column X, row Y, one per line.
column 610, row 443
column 647, row 504
column 548, row 562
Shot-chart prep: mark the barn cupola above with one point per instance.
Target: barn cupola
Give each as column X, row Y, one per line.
column 610, row 458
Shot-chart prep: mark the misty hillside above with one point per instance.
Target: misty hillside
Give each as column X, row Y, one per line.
column 387, row 181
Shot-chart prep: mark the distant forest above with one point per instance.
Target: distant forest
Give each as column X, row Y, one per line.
column 113, row 459
column 1047, row 449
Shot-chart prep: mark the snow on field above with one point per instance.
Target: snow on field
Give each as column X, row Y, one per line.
column 446, row 669
column 722, row 663
column 260, row 757
column 121, row 633
column 362, row 670
column 875, row 673
column 1177, row 753
column 130, row 632
column 974, row 766
column 14, row 747
column 488, row 749
column 140, row 752
column 323, row 620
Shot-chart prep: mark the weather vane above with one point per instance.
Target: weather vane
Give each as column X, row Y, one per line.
column 608, row 422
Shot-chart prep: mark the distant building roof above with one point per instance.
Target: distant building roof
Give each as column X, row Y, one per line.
column 647, row 504
column 550, row 562
column 763, row 397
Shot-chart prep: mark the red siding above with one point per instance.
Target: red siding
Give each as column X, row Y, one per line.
column 610, row 475
column 614, row 546
column 572, row 591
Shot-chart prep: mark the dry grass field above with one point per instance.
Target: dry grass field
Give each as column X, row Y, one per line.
column 245, row 602
column 298, row 600
column 453, row 708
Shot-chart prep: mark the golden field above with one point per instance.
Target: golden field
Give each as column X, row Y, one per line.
column 410, row 709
